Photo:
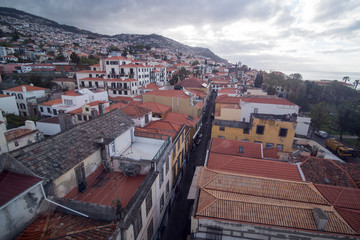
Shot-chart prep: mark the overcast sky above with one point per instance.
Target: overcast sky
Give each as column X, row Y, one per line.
column 304, row 36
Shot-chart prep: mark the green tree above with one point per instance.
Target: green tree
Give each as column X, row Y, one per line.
column 195, row 63
column 259, row 79
column 296, row 76
column 346, row 79
column 244, row 68
column 60, row 57
column 356, row 83
column 271, row 90
column 319, row 117
column 75, row 58
column 113, row 49
column 344, row 121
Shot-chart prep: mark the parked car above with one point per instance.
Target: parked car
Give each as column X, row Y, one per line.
column 321, row 134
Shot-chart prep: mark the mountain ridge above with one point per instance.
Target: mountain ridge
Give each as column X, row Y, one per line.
column 152, row 40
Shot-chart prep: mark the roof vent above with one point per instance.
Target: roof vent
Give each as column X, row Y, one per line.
column 320, row 218
column 241, row 149
column 56, row 165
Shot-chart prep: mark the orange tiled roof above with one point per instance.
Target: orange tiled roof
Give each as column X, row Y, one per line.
column 152, row 86
column 4, row 95
column 168, row 93
column 278, row 203
column 116, row 58
column 227, row 99
column 156, row 107
column 231, row 147
column 327, row 171
column 17, row 133
column 192, row 83
column 135, row 111
column 253, row 167
column 163, row 127
column 28, row 88
column 109, row 186
column 181, row 118
column 278, row 101
column 52, row 102
column 271, row 153
column 63, row 226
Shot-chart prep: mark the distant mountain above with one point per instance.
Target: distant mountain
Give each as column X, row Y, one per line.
column 158, row 41
column 152, row 40
column 14, row 13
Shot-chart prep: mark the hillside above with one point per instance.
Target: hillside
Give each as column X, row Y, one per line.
column 153, row 40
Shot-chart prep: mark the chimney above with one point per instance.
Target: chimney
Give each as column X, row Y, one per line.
column 66, row 122
column 101, row 109
column 94, row 114
column 320, row 218
column 30, row 125
column 23, row 88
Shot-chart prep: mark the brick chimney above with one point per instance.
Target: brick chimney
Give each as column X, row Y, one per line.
column 320, row 218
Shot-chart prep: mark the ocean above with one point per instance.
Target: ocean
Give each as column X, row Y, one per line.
column 322, row 75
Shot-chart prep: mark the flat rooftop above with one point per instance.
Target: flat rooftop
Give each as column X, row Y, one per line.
column 109, row 186
column 143, row 148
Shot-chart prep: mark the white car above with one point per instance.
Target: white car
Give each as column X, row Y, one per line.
column 321, row 134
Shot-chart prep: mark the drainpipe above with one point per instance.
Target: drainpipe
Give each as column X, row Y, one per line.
column 57, row 204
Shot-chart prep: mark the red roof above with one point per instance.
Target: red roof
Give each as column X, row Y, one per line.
column 64, row 226
column 346, row 203
column 152, row 86
column 227, row 99
column 192, row 83
column 156, row 107
column 135, row 111
column 116, row 58
column 4, row 95
column 109, row 186
column 329, row 172
column 13, row 184
column 52, row 102
column 168, row 93
column 253, row 167
column 13, row 134
column 231, row 147
column 181, row 118
column 27, row 87
column 163, row 127
column 278, row 101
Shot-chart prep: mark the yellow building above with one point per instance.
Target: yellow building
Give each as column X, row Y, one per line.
column 269, row 130
column 230, row 112
column 178, row 100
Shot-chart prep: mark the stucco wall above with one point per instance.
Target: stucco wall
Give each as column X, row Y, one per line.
column 17, row 215
column 303, row 124
column 67, row 181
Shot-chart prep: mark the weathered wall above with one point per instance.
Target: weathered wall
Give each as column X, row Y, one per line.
column 67, row 181
column 17, row 215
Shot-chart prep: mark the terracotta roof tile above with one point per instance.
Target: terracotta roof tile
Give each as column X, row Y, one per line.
column 17, row 133
column 254, row 167
column 278, row 101
column 181, row 118
column 226, row 99
column 279, row 203
column 64, row 226
column 168, row 93
column 109, row 186
column 327, row 171
column 271, row 153
column 12, row 184
column 52, row 102
column 135, row 111
column 28, row 88
column 156, row 107
column 162, row 127
column 232, row 147
column 192, row 83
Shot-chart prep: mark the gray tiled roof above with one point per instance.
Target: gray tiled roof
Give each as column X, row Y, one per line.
column 69, row 148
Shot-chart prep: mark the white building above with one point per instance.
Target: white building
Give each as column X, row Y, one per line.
column 26, row 98
column 8, row 104
column 71, row 100
column 120, row 76
column 277, row 106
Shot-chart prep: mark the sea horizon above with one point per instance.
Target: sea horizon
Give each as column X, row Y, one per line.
column 325, row 75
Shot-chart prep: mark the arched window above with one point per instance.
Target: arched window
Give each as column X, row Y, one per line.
column 20, row 96
column 22, row 106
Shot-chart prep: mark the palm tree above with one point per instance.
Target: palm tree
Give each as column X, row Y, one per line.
column 356, row 83
column 346, row 78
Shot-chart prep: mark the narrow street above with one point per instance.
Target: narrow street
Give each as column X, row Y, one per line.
column 179, row 218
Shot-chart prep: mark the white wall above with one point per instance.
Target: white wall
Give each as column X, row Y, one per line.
column 8, row 105
column 122, row 142
column 303, row 124
column 248, row 108
column 48, row 128
column 17, row 215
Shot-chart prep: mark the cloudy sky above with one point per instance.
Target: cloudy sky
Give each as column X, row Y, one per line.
column 318, row 38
